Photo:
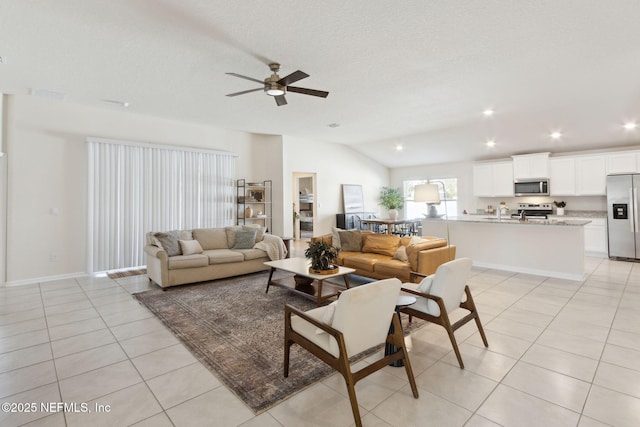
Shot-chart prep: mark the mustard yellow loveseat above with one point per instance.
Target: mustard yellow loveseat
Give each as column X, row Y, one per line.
column 381, row 256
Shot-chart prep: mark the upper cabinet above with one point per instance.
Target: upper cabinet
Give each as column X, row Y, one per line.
column 623, row 162
column 493, row 179
column 562, row 176
column 531, row 166
column 591, row 175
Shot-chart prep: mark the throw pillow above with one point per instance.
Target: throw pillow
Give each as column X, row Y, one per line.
column 401, row 254
column 335, row 237
column 425, row 285
column 350, row 241
column 245, row 240
column 260, row 230
column 327, row 317
column 415, row 239
column 169, row 242
column 231, row 234
column 383, row 244
column 190, row 247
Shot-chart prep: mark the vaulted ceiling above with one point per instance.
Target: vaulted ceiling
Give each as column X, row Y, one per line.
column 415, row 73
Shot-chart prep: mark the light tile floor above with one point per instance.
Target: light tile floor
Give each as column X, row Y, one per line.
column 561, row 353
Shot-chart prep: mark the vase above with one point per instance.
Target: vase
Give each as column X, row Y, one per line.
column 248, row 212
column 560, row 211
column 393, row 214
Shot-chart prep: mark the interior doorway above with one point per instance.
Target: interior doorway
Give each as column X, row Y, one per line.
column 304, row 204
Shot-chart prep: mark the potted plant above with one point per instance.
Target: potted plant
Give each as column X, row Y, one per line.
column 560, row 207
column 323, row 256
column 391, row 199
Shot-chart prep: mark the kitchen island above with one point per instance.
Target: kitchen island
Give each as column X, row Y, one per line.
column 545, row 247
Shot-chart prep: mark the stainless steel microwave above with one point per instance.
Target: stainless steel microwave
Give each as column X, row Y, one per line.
column 531, row 187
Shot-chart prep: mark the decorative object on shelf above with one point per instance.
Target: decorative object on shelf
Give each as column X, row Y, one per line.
column 560, row 207
column 257, row 195
column 323, row 257
column 391, row 199
column 254, row 203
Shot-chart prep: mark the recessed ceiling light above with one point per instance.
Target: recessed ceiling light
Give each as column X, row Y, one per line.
column 491, row 143
column 399, row 147
column 630, row 126
column 333, row 125
column 488, row 112
column 555, row 135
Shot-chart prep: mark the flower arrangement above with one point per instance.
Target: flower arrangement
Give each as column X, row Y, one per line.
column 561, row 204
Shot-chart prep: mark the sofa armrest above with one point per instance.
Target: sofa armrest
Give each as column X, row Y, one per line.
column 157, row 264
column 430, row 259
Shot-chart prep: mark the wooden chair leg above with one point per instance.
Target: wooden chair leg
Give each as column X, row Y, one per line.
column 481, row 330
column 354, row 402
column 399, row 337
column 447, row 326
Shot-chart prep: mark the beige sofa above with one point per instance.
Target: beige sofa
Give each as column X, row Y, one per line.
column 382, row 256
column 188, row 256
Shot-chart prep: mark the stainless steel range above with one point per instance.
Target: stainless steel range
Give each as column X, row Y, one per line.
column 534, row 210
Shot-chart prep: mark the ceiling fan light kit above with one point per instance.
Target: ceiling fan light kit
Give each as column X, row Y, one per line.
column 278, row 87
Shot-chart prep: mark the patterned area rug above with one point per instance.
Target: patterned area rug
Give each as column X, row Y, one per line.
column 126, row 273
column 237, row 330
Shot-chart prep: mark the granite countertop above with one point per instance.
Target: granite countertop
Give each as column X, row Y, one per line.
column 583, row 214
column 492, row 219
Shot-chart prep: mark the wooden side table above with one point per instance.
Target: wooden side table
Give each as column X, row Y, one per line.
column 287, row 244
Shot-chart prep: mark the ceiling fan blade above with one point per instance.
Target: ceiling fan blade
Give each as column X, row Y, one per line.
column 292, row 78
column 245, row 77
column 280, row 100
column 313, row 92
column 245, row 91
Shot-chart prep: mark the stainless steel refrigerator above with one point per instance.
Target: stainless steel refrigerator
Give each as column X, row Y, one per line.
column 622, row 216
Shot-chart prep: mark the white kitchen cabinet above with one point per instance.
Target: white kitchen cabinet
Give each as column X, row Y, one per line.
column 531, row 166
column 595, row 235
column 493, row 179
column 591, row 175
column 562, row 176
column 623, row 162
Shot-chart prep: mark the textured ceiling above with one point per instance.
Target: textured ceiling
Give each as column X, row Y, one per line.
column 417, row 74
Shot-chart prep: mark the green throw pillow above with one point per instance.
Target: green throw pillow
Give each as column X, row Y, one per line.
column 245, row 239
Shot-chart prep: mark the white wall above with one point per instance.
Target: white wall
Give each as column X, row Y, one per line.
column 46, row 157
column 334, row 165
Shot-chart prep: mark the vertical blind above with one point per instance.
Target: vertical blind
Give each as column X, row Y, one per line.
column 135, row 188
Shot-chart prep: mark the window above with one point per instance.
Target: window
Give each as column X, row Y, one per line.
column 418, row 210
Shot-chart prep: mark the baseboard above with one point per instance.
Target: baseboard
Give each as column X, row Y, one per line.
column 42, row 279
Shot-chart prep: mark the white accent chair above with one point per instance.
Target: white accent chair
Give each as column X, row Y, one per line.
column 440, row 294
column 357, row 321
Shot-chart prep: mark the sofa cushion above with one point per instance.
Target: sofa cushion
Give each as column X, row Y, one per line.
column 335, row 237
column 190, row 247
column 188, row 261
column 401, row 254
column 211, row 238
column 260, row 230
column 350, row 241
column 414, row 248
column 364, row 261
column 169, row 242
column 252, row 254
column 223, row 256
column 231, row 234
column 393, row 268
column 383, row 244
column 245, row 240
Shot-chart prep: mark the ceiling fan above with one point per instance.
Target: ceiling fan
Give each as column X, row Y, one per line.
column 278, row 87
